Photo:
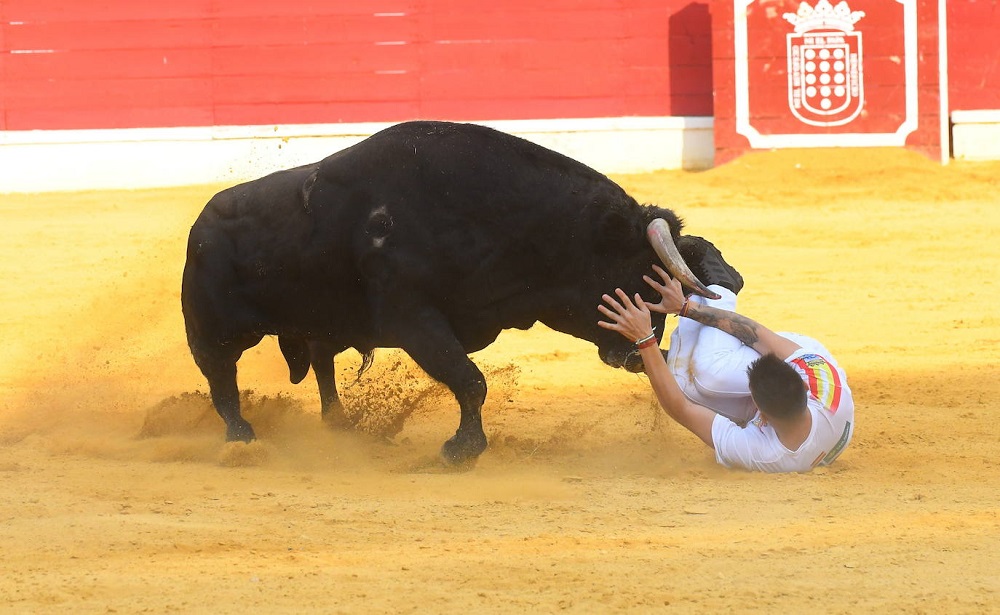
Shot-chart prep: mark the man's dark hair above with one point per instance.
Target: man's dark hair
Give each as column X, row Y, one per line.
column 777, row 389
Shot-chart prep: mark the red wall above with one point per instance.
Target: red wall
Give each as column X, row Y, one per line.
column 974, row 54
column 70, row 64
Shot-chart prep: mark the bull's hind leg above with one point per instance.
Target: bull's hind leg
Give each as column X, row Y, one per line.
column 219, row 369
column 434, row 347
column 300, row 355
column 321, row 357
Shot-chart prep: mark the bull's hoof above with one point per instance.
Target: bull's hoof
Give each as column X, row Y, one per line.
column 461, row 452
column 240, row 431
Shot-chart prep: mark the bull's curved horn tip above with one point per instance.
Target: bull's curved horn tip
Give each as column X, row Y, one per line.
column 658, row 232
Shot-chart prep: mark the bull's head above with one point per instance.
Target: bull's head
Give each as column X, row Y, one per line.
column 660, row 238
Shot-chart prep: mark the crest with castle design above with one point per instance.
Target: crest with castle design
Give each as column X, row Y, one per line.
column 825, row 85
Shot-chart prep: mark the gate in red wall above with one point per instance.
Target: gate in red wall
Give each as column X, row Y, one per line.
column 822, row 73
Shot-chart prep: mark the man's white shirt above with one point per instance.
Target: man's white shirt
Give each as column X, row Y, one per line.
column 756, row 446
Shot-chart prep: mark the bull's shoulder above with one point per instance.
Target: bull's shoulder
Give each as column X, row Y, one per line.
column 278, row 193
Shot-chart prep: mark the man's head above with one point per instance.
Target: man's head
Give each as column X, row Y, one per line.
column 776, row 388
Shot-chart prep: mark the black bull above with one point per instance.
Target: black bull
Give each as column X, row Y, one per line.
column 431, row 237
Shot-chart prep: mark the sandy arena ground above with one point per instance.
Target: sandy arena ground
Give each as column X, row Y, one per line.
column 119, row 494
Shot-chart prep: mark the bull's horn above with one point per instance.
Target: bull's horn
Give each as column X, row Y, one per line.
column 659, row 237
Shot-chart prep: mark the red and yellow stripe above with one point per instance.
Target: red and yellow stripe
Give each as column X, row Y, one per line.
column 822, row 378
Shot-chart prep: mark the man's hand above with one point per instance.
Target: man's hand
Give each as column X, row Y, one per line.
column 670, row 290
column 630, row 319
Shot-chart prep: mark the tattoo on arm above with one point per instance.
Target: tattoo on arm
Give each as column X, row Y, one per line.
column 740, row 327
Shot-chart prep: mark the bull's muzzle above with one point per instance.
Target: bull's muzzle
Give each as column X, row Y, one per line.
column 627, row 359
column 659, row 236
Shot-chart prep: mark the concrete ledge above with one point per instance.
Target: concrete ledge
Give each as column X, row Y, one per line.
column 40, row 161
column 975, row 134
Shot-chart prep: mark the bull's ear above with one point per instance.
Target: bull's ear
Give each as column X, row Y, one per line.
column 306, row 190
column 615, row 232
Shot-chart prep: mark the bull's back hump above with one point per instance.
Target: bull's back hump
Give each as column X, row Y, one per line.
column 441, row 167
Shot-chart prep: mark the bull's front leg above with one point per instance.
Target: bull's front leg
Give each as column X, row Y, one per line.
column 469, row 440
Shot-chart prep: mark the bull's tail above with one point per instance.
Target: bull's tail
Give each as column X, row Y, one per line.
column 296, row 353
column 298, row 356
column 367, row 359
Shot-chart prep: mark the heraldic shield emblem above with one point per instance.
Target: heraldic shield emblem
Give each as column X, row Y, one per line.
column 825, row 72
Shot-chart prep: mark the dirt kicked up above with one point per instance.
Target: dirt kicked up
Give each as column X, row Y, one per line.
column 118, row 493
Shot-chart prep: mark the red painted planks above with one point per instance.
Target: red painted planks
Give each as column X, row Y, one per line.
column 314, row 60
column 225, row 61
column 111, row 93
column 109, row 35
column 227, row 9
column 317, row 113
column 102, row 116
column 24, row 70
column 106, row 10
column 505, row 56
column 340, row 88
column 4, row 80
column 974, row 54
column 311, row 29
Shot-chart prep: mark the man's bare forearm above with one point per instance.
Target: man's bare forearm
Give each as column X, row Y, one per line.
column 747, row 330
column 740, row 327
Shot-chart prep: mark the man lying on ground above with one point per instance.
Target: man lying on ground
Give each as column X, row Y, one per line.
column 764, row 401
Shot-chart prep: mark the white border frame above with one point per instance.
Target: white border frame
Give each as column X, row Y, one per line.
column 844, row 139
column 946, row 145
column 47, row 160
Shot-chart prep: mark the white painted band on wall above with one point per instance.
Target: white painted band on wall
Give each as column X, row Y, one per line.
column 975, row 134
column 943, row 80
column 38, row 161
column 976, row 116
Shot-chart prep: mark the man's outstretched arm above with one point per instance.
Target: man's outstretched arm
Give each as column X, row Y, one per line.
column 631, row 319
column 747, row 330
